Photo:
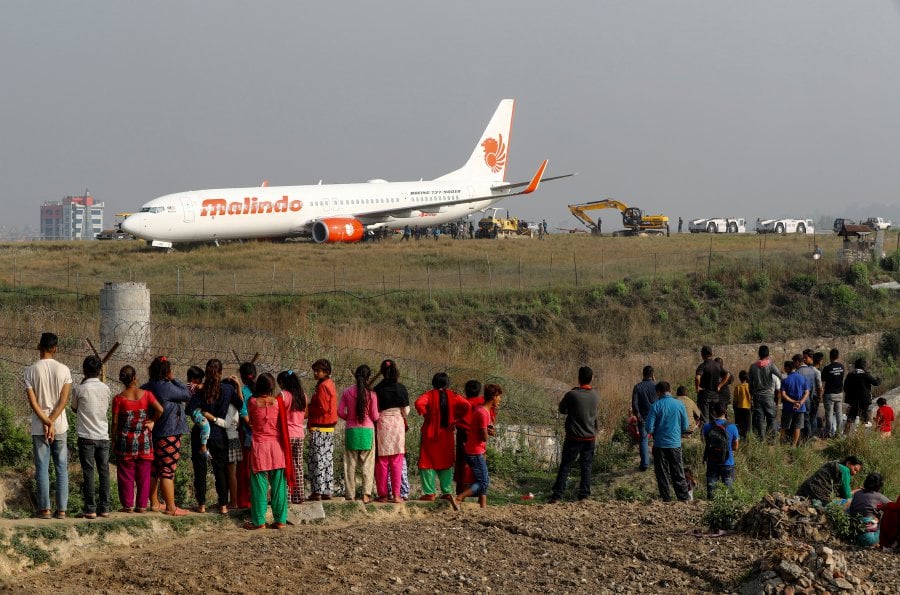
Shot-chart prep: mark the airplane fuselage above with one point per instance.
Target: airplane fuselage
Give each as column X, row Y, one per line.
column 285, row 211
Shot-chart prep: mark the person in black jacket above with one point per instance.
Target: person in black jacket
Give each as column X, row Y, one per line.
column 581, row 406
column 858, row 393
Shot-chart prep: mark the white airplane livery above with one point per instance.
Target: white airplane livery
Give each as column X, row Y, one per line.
column 333, row 213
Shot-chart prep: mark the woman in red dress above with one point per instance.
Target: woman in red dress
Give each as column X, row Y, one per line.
column 442, row 409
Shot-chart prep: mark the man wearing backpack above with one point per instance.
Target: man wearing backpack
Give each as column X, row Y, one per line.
column 722, row 440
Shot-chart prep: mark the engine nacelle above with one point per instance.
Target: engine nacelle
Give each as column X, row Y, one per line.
column 336, row 230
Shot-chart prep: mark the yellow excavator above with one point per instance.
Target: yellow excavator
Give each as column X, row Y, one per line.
column 633, row 219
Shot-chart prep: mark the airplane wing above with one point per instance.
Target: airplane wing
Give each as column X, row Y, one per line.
column 499, row 191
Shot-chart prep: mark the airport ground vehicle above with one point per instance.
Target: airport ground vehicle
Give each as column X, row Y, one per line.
column 115, row 232
column 785, row 226
column 718, row 225
column 492, row 226
column 633, row 219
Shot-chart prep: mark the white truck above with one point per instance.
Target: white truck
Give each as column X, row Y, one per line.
column 718, row 225
column 785, row 226
column 878, row 223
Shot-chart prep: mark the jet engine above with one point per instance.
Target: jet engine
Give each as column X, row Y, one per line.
column 336, row 230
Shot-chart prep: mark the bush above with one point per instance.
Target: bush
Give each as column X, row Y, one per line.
column 629, row 493
column 891, row 262
column 843, row 524
column 760, row 282
column 713, row 289
column 858, row 274
column 726, row 509
column 802, row 283
column 842, row 296
column 889, row 346
column 15, row 440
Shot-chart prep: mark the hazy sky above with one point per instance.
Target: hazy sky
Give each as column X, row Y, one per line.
column 690, row 108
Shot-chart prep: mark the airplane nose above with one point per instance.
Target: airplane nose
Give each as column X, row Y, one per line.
column 131, row 224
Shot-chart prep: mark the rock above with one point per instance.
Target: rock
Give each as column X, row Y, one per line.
column 843, row 584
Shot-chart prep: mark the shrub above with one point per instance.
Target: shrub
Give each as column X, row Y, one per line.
column 760, row 282
column 629, row 493
column 843, row 524
column 713, row 289
column 842, row 296
column 802, row 283
column 891, row 262
column 727, row 507
column 15, row 440
column 889, row 346
column 618, row 289
column 858, row 274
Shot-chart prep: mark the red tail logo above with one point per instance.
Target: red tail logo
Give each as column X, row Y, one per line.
column 495, row 153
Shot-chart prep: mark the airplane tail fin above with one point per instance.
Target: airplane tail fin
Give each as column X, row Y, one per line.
column 491, row 155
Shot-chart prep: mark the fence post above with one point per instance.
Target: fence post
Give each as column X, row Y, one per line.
column 575, row 266
column 428, row 275
column 490, row 274
column 177, row 280
column 459, row 274
column 520, row 273
column 234, row 282
column 272, row 291
column 383, row 284
column 333, row 279
column 654, row 267
column 550, row 276
column 293, row 282
column 709, row 262
column 203, row 286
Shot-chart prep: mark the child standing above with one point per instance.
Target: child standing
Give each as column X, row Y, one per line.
column 133, row 413
column 884, row 419
column 269, row 455
column 295, row 402
column 481, row 425
column 393, row 407
column 90, row 401
column 321, row 422
column 359, row 408
column 742, row 404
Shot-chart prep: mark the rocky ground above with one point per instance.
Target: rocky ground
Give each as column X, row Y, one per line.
column 589, row 547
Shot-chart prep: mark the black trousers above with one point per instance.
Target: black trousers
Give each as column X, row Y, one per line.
column 219, row 451
column 669, row 469
column 575, row 449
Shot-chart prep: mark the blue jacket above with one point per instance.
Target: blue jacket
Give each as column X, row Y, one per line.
column 666, row 421
column 171, row 395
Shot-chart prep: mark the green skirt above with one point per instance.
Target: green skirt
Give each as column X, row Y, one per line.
column 360, row 439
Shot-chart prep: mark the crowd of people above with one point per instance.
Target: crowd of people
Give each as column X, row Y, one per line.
column 250, row 429
column 812, row 397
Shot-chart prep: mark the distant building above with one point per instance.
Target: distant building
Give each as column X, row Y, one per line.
column 72, row 218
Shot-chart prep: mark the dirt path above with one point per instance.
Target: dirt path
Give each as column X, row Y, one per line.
column 589, row 547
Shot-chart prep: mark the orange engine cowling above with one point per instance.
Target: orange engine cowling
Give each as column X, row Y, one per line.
column 338, row 229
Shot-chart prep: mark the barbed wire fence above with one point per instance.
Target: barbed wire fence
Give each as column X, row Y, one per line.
column 529, row 426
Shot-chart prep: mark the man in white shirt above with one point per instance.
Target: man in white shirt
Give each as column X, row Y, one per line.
column 90, row 402
column 47, row 386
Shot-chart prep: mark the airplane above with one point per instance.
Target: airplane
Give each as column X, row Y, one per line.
column 338, row 213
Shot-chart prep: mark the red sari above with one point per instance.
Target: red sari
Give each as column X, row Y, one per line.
column 437, row 450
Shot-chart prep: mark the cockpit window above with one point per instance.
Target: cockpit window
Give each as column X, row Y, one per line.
column 152, row 210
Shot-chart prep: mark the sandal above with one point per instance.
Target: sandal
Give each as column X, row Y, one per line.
column 251, row 527
column 223, row 510
column 44, row 514
column 140, row 510
column 124, row 509
column 87, row 515
column 60, row 514
column 201, row 508
column 276, row 526
column 177, row 512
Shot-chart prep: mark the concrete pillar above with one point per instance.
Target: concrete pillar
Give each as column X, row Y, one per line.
column 879, row 245
column 125, row 318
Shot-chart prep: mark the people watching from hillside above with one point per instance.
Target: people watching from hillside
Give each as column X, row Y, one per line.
column 764, row 379
column 830, row 480
column 269, row 456
column 816, row 420
column 247, row 375
column 643, row 395
column 833, row 394
column 667, row 421
column 581, row 406
column 707, row 382
column 90, row 402
column 695, row 417
column 858, row 393
column 134, row 412
column 795, row 391
column 321, row 421
column 480, row 428
column 884, row 418
column 441, row 409
column 724, row 396
column 358, row 407
column 803, row 364
column 742, row 404
column 213, row 401
column 721, row 441
column 48, row 385
column 295, row 402
column 167, row 432
column 462, row 474
column 865, row 507
column 390, row 434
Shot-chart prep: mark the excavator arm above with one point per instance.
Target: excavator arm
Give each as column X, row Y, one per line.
column 580, row 211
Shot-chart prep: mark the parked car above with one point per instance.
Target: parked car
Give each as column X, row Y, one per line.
column 878, row 223
column 840, row 222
